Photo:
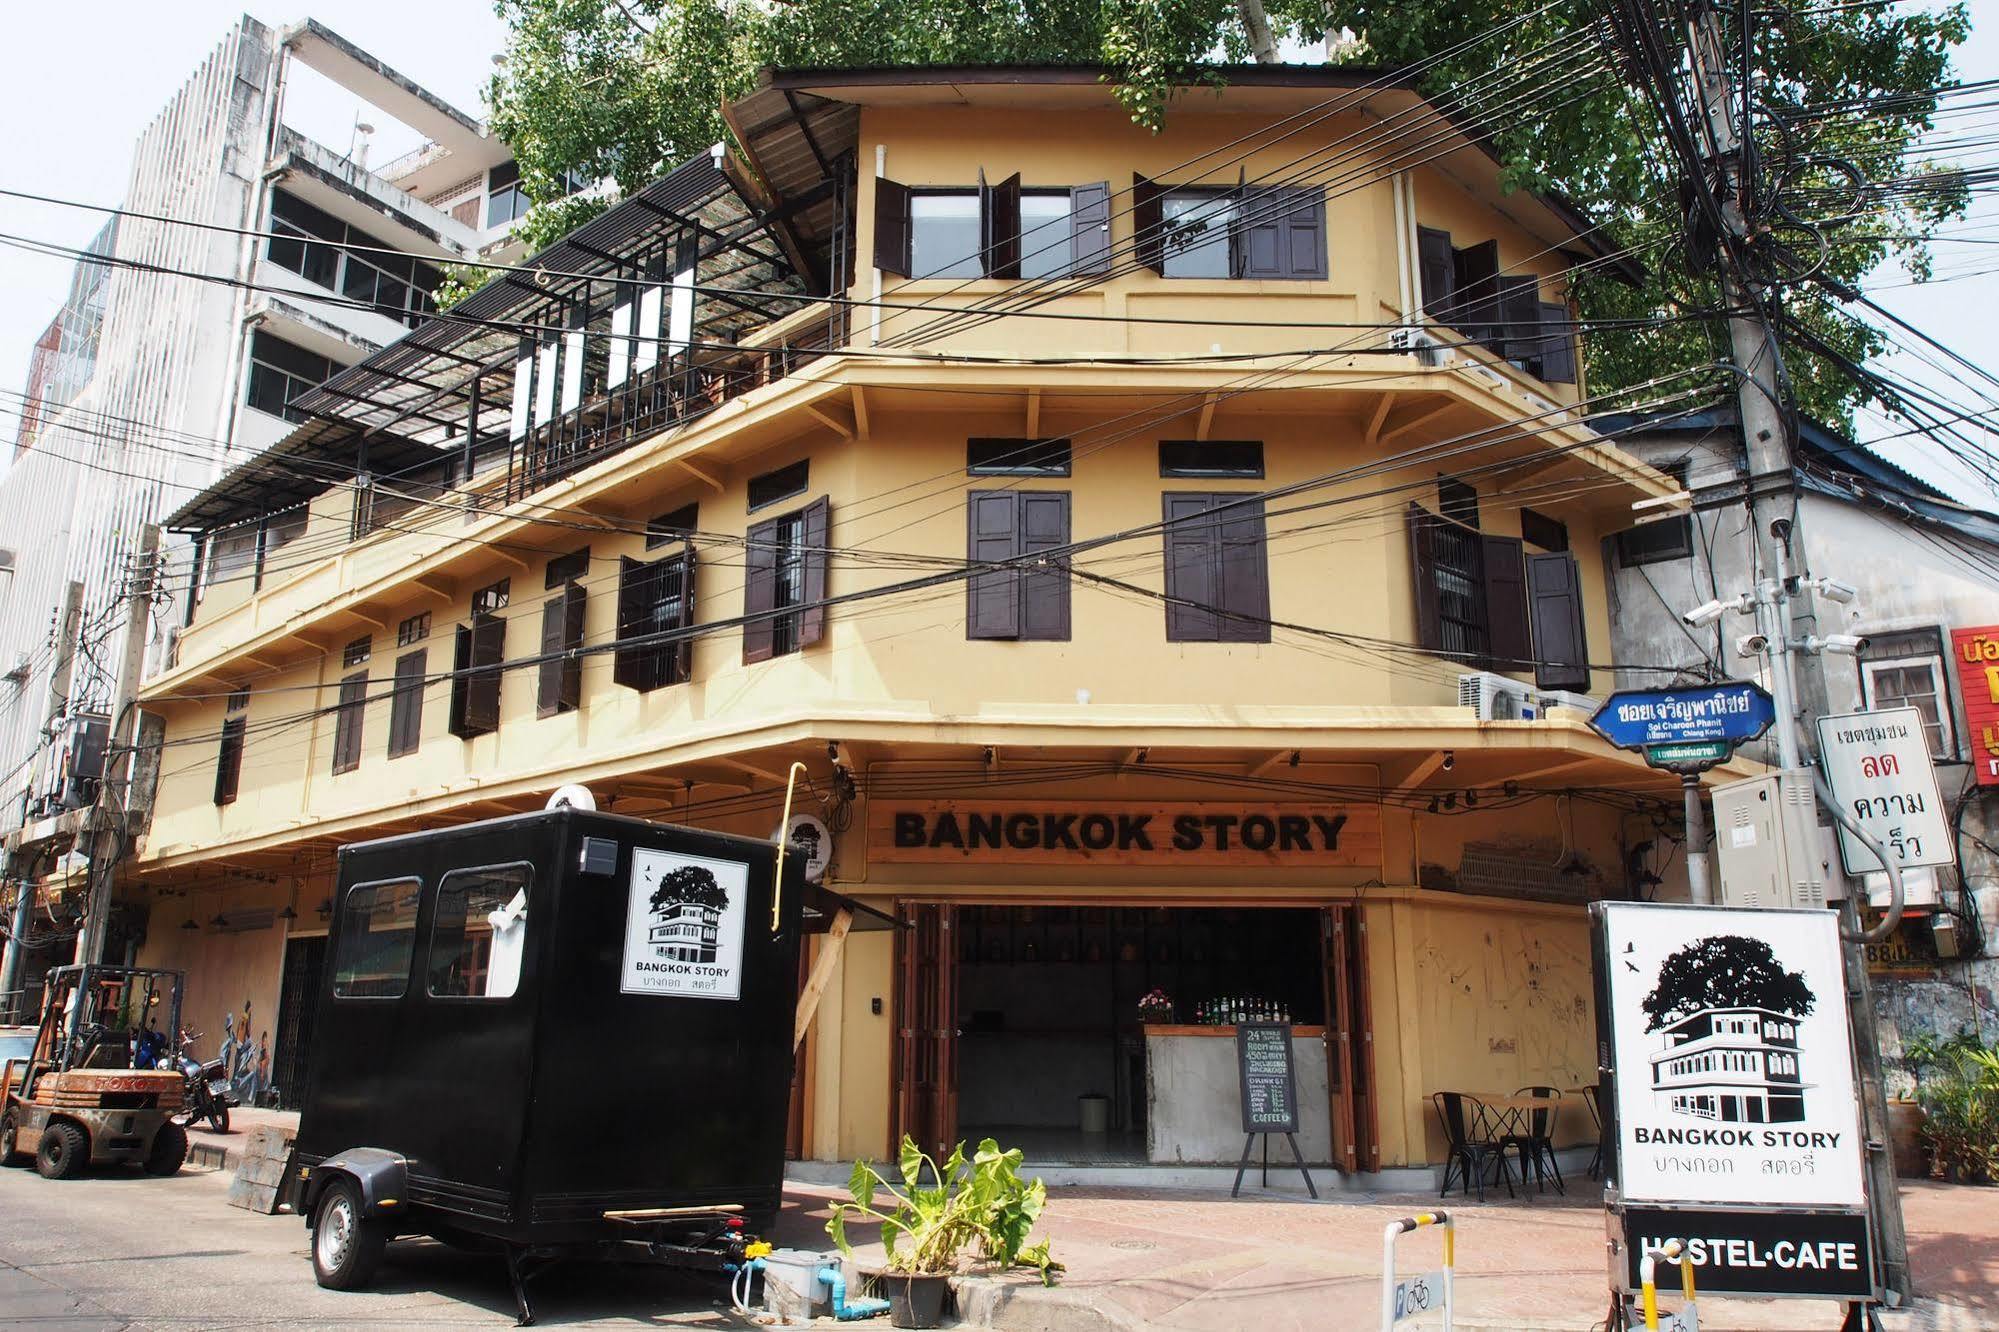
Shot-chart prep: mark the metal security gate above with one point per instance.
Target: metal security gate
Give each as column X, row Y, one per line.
column 298, row 1006
column 926, row 1003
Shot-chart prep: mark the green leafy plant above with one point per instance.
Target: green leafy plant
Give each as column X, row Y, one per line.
column 939, row 1213
column 1957, row 1084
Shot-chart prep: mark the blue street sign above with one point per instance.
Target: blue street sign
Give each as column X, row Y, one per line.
column 1735, row 711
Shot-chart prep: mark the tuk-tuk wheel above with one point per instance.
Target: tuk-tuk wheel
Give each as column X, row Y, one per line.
column 65, row 1150
column 169, row 1150
column 10, row 1132
column 346, row 1246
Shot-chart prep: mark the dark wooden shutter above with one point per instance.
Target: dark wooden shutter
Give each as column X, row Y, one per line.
column 1305, row 243
column 999, row 227
column 1259, row 234
column 347, row 722
column 1520, row 318
column 676, row 579
column 1558, row 344
column 632, row 667
column 992, row 599
column 1433, row 257
column 1476, row 279
column 1245, row 571
column 1193, row 570
column 1044, row 526
column 548, row 684
column 1090, row 229
column 759, row 591
column 229, row 761
column 559, row 687
column 406, row 704
column 461, row 684
column 1423, row 571
column 1148, row 221
column 892, row 227
column 1559, row 641
column 488, row 639
column 1506, row 603
column 816, row 527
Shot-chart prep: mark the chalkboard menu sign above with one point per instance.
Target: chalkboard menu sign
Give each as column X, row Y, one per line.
column 1269, row 1088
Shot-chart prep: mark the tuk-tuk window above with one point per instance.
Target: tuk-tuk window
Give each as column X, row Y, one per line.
column 377, row 939
column 479, row 935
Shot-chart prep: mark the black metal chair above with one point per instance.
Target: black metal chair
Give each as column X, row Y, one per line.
column 1595, row 1108
column 1472, row 1149
column 1534, row 1138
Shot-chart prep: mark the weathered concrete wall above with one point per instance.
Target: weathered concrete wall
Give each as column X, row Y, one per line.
column 1194, row 1102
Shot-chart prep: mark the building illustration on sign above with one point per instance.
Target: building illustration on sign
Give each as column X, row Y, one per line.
column 687, row 911
column 1728, row 1013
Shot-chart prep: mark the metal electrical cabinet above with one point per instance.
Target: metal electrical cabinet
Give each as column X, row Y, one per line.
column 1769, row 845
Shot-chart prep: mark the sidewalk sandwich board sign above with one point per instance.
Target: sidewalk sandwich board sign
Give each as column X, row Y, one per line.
column 1731, row 1119
column 1878, row 765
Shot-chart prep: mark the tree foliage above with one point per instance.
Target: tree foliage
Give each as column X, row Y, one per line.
column 626, row 89
column 1725, row 971
column 690, row 884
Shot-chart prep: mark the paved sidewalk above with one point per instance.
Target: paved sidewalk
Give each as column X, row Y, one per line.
column 1201, row 1262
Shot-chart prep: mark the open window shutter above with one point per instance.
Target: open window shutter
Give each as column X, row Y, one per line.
column 1148, row 222
column 1193, row 570
column 229, row 762
column 628, row 665
column 1558, row 344
column 489, row 650
column 548, row 684
column 999, row 227
column 677, row 576
column 406, row 708
column 892, row 229
column 759, row 591
column 1423, row 568
column 461, row 684
column 1558, row 622
column 1304, row 238
column 1259, row 234
column 1476, row 278
column 812, row 620
column 1245, row 572
column 1044, row 526
column 992, row 600
column 347, row 722
column 1520, row 318
column 1090, row 229
column 1433, row 257
column 1506, row 603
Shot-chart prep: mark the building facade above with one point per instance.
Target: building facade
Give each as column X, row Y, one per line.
column 1735, row 1065
column 246, row 265
column 1109, row 523
column 1922, row 568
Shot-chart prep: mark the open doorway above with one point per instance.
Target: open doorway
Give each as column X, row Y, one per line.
column 1050, row 1047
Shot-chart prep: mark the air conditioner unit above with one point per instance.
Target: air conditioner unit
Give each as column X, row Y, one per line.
column 1429, row 351
column 1563, row 698
column 1496, row 698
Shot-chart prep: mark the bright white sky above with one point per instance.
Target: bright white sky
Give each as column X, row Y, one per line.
column 81, row 81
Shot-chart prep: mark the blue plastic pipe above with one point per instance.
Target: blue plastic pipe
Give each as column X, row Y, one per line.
column 842, row 1310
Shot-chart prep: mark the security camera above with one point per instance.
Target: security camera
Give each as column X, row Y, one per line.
column 1752, row 645
column 1845, row 645
column 1833, row 590
column 1706, row 613
column 1450, row 759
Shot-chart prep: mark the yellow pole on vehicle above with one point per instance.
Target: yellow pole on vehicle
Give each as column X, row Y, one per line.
column 783, row 844
column 1673, row 1251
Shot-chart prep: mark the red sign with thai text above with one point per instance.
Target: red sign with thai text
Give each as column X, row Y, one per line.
column 1978, row 676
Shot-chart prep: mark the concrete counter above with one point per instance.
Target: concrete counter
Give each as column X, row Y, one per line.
column 1193, row 1101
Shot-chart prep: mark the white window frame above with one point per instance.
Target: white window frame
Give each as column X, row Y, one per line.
column 1938, row 674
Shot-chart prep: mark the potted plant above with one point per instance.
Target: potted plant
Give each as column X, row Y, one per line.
column 938, row 1215
column 1959, row 1094
column 1155, row 1007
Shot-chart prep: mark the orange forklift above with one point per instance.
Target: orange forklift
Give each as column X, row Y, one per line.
column 92, row 1091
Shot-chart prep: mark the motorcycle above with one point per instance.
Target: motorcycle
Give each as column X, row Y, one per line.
column 209, row 1095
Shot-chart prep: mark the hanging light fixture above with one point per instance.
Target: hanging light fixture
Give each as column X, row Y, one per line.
column 189, row 924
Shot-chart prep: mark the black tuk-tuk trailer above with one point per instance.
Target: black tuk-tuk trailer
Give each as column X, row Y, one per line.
column 557, row 1034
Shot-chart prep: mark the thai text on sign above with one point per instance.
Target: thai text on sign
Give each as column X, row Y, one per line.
column 1978, row 680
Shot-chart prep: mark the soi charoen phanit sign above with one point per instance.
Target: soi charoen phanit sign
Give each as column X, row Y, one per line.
column 1284, row 836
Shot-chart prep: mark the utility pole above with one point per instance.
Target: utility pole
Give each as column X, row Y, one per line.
column 67, row 629
column 1773, row 509
column 110, row 819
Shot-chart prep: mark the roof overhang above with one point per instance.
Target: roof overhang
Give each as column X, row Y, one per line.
column 320, row 48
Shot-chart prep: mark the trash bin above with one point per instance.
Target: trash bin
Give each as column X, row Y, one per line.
column 1095, row 1112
